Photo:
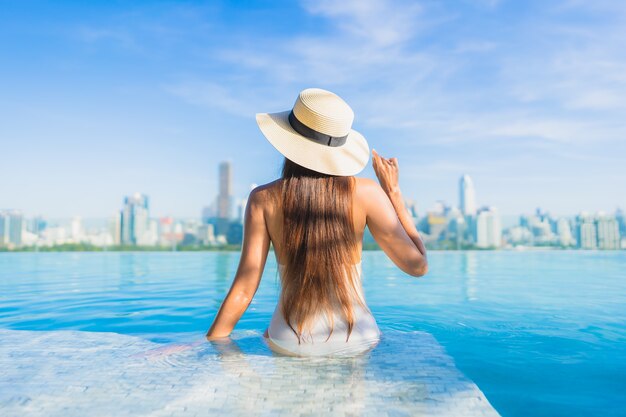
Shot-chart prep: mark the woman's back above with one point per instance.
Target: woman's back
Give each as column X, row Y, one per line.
column 315, row 216
column 274, row 217
column 324, row 334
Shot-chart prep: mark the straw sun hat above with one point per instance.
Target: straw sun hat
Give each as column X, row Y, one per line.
column 317, row 134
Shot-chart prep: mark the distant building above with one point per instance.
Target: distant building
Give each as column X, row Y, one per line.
column 456, row 227
column 241, row 209
column 608, row 232
column 54, row 235
column 436, row 221
column 170, row 232
column 586, row 231
column 621, row 221
column 134, row 219
column 520, row 235
column 224, row 198
column 115, row 228
column 37, row 225
column 467, row 196
column 564, row 232
column 436, row 226
column 150, row 236
column 235, row 233
column 488, row 228
column 206, row 234
column 541, row 229
column 225, row 190
column 76, row 229
column 11, row 226
column 5, row 226
column 208, row 213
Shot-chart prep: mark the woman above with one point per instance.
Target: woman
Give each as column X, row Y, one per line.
column 315, row 216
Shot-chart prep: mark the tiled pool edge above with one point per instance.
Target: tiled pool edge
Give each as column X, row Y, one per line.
column 66, row 373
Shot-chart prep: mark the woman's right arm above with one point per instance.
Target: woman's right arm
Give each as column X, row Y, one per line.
column 389, row 221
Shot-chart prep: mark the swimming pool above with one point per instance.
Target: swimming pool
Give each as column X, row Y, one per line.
column 541, row 333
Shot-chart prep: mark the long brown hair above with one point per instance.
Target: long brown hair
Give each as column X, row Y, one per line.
column 319, row 244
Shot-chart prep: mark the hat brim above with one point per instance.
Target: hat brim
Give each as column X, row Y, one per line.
column 345, row 160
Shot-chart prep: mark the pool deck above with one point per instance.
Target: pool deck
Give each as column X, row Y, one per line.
column 72, row 373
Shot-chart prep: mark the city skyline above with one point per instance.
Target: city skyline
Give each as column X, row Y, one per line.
column 526, row 97
column 470, row 224
column 225, row 201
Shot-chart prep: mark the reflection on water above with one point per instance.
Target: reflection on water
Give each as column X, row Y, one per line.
column 469, row 265
column 222, row 275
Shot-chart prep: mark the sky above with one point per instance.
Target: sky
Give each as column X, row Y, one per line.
column 100, row 99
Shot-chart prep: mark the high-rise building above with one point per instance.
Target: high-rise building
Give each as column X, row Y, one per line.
column 115, row 228
column 435, row 222
column 206, row 234
column 467, row 196
column 134, row 219
column 5, row 225
column 76, row 229
column 224, row 198
column 586, row 231
column 208, row 213
column 4, row 228
column 621, row 221
column 564, row 232
column 11, row 225
column 37, row 225
column 456, row 227
column 225, row 190
column 608, row 232
column 488, row 228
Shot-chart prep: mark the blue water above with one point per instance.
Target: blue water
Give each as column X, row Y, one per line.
column 541, row 333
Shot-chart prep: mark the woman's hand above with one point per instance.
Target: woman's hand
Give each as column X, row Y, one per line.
column 387, row 171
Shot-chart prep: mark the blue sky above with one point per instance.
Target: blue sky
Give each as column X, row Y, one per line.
column 101, row 99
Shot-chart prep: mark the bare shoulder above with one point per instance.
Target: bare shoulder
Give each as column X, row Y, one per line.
column 264, row 194
column 365, row 183
column 368, row 191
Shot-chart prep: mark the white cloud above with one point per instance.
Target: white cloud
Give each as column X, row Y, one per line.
column 380, row 22
column 212, row 95
column 404, row 70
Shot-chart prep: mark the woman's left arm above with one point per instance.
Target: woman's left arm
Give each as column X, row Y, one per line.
column 254, row 250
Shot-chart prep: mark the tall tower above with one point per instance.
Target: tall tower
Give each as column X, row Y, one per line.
column 225, row 190
column 134, row 219
column 467, row 196
column 488, row 228
column 11, row 225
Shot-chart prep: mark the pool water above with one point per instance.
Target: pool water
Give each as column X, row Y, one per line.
column 540, row 333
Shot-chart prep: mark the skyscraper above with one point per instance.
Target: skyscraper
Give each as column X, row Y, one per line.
column 621, row 221
column 488, row 228
column 608, row 232
column 586, row 231
column 225, row 190
column 5, row 225
column 224, row 198
column 11, row 225
column 115, row 228
column 564, row 232
column 134, row 219
column 467, row 196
